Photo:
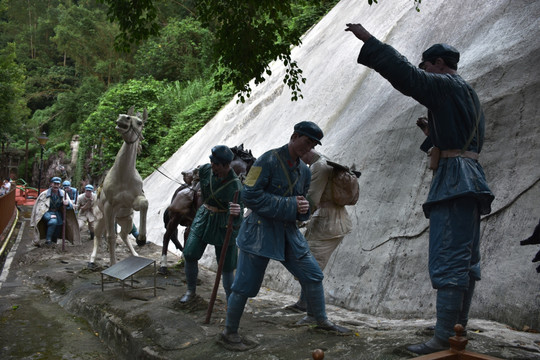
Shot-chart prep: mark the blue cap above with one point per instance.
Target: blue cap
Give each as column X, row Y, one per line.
column 309, row 129
column 56, row 180
column 89, row 187
column 221, row 154
column 66, row 183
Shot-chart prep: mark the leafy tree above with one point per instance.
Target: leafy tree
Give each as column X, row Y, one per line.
column 71, row 108
column 66, row 48
column 86, row 36
column 44, row 85
column 198, row 103
column 12, row 105
column 182, row 52
column 98, row 139
column 249, row 34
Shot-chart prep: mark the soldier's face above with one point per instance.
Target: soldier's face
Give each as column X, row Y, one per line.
column 220, row 170
column 300, row 145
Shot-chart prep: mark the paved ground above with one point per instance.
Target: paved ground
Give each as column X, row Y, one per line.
column 53, row 307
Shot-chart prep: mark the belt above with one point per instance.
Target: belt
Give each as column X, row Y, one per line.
column 459, row 153
column 214, row 209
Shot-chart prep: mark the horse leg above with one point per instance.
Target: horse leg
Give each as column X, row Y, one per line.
column 110, row 232
column 126, row 224
column 141, row 205
column 163, row 264
column 172, row 228
column 97, row 242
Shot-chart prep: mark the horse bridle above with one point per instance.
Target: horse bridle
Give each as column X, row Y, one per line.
column 138, row 133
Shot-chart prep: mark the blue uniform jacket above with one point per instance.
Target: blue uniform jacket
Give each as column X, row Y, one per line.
column 270, row 191
column 453, row 112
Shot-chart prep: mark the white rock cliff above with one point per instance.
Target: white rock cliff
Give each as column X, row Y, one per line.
column 381, row 267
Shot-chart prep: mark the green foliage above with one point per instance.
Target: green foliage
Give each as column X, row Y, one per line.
column 187, row 122
column 86, row 37
column 44, row 85
column 306, row 13
column 249, row 35
column 175, row 113
column 61, row 74
column 97, row 133
column 176, row 96
column 182, row 52
column 136, row 19
column 12, row 106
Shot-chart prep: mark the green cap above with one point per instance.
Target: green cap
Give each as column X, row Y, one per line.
column 221, row 154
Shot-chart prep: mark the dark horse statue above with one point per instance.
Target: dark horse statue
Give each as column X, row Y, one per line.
column 187, row 199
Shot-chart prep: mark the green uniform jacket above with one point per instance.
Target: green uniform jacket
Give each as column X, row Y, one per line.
column 208, row 226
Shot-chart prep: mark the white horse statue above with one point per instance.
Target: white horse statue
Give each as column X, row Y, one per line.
column 122, row 190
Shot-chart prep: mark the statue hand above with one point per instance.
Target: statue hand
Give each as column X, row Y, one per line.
column 302, row 205
column 359, row 31
column 234, row 209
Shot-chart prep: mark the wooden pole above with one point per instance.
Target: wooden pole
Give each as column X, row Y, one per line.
column 221, row 262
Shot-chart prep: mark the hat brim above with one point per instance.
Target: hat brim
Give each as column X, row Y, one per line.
column 309, row 136
column 218, row 160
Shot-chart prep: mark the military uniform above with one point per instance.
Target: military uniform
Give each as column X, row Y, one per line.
column 72, row 192
column 85, row 206
column 329, row 223
column 271, row 232
column 459, row 193
column 47, row 217
column 210, row 223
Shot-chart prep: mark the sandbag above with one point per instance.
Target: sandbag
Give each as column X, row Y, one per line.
column 345, row 187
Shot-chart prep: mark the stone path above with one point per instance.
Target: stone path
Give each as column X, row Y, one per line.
column 52, row 307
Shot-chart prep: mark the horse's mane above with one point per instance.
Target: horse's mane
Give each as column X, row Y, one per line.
column 244, row 155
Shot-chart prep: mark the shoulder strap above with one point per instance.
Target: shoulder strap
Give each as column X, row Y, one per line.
column 475, row 131
column 286, row 172
column 213, row 193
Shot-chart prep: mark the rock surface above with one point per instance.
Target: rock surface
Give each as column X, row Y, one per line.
column 381, row 267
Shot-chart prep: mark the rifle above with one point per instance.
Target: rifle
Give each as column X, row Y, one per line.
column 221, row 262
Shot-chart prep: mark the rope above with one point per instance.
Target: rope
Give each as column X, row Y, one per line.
column 140, row 137
column 167, row 176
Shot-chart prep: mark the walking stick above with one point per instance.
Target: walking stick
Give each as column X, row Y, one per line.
column 221, row 262
column 64, row 223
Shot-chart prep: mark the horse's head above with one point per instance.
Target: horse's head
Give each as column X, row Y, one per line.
column 130, row 125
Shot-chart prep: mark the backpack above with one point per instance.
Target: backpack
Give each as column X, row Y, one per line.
column 345, row 187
